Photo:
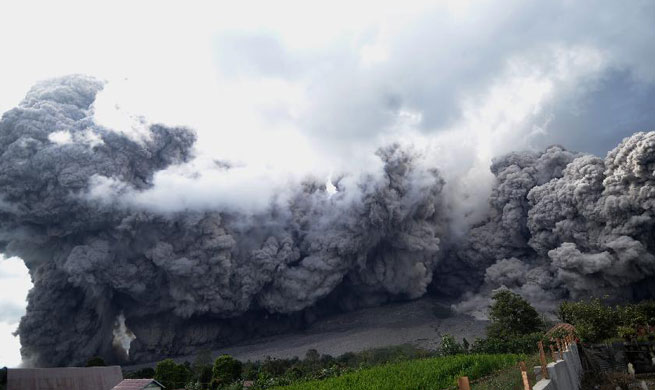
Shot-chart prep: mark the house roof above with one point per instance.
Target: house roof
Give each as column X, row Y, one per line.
column 70, row 378
column 135, row 384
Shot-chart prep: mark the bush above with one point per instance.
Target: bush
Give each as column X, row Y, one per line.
column 522, row 344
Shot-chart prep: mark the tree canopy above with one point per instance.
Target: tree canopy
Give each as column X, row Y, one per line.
column 511, row 315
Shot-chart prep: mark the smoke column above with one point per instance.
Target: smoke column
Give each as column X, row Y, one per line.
column 113, row 268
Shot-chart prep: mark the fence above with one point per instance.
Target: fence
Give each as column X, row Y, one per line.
column 563, row 373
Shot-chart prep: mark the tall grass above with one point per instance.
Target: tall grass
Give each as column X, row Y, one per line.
column 424, row 374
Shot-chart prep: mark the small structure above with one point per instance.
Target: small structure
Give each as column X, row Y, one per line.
column 561, row 328
column 139, row 384
column 64, row 378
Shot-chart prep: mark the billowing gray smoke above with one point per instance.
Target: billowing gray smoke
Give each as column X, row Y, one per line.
column 564, row 225
column 560, row 225
column 196, row 278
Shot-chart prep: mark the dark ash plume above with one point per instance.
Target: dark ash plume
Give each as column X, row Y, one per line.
column 197, row 278
column 560, row 225
column 584, row 229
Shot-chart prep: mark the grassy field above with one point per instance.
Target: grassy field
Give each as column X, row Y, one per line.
column 423, row 374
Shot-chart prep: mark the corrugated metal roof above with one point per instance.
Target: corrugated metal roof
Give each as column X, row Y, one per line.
column 135, row 384
column 64, row 378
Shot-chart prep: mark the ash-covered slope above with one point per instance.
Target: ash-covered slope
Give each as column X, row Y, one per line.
column 188, row 279
column 560, row 225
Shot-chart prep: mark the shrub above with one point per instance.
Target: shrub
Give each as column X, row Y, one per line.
column 522, row 344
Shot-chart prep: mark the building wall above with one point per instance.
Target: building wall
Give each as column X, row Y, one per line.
column 64, row 378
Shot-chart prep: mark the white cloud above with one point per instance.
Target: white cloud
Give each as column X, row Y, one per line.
column 60, row 137
column 15, row 282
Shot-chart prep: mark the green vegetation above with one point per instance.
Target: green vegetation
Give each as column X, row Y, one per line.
column 515, row 326
column 272, row 372
column 512, row 335
column 432, row 373
column 514, row 329
column 511, row 315
column 508, row 378
column 147, row 372
column 226, row 370
column 525, row 344
column 596, row 321
column 172, row 375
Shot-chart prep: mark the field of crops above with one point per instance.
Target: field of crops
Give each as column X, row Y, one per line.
column 425, row 374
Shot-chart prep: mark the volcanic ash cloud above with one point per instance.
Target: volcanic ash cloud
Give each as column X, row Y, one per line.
column 116, row 265
column 564, row 225
column 184, row 279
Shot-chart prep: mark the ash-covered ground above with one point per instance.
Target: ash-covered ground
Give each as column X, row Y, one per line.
column 420, row 323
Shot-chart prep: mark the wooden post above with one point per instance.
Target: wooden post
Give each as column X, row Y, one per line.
column 524, row 375
column 559, row 348
column 552, row 353
column 542, row 357
column 463, row 383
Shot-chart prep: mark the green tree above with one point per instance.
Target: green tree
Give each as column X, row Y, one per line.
column 312, row 355
column 202, row 367
column 511, row 316
column 226, row 370
column 165, row 373
column 450, row 346
column 596, row 321
column 593, row 320
column 95, row 361
column 172, row 375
